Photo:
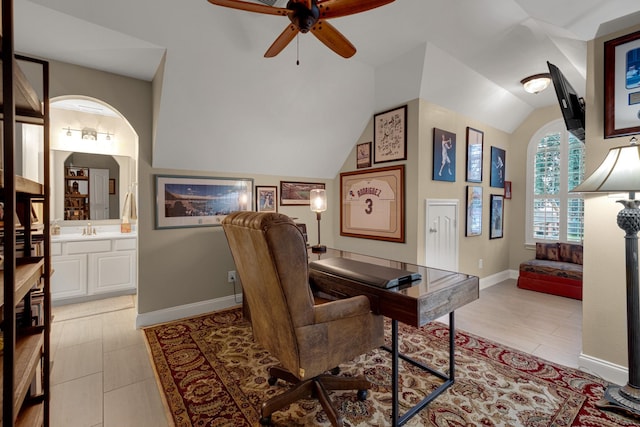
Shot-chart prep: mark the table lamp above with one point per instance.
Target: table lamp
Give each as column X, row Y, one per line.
column 620, row 172
column 318, row 202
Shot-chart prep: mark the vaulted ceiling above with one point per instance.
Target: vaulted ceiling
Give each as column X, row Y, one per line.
column 226, row 108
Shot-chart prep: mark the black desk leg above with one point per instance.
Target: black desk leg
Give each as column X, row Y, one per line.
column 396, row 419
column 394, row 372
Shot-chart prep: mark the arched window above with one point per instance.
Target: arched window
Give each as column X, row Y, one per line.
column 555, row 160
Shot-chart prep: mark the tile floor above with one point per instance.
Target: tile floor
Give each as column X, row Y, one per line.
column 102, row 376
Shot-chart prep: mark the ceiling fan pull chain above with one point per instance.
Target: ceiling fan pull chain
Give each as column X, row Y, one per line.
column 298, row 49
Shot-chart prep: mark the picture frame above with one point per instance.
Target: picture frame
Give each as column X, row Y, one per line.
column 444, row 155
column 266, row 198
column 112, row 186
column 475, row 144
column 498, row 167
column 199, row 201
column 474, row 211
column 497, row 217
column 390, row 135
column 297, row 193
column 507, row 190
column 363, row 155
column 372, row 204
column 622, row 86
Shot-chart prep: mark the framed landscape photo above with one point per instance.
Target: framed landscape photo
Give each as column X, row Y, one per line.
column 444, row 155
column 193, row 201
column 497, row 217
column 474, row 210
column 498, row 167
column 297, row 193
column 475, row 141
column 622, row 86
column 390, row 135
column 372, row 204
column 363, row 155
column 266, row 198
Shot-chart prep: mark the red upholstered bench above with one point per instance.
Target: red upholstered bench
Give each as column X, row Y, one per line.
column 556, row 270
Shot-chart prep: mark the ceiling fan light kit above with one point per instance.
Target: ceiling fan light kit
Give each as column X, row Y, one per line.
column 309, row 16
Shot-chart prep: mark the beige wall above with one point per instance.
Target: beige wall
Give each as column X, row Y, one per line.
column 604, row 301
column 180, row 266
column 422, row 117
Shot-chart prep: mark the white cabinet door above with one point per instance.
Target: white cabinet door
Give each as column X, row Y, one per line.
column 69, row 277
column 112, row 271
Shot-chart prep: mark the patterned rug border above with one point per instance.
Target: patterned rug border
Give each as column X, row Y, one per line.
column 557, row 377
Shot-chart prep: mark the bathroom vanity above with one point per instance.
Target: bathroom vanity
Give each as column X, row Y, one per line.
column 90, row 266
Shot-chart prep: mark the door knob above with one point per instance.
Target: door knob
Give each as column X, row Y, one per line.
column 433, row 230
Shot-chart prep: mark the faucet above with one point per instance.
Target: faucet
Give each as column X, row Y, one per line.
column 88, row 230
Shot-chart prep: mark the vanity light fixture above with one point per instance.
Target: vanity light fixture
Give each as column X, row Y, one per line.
column 88, row 133
column 536, row 83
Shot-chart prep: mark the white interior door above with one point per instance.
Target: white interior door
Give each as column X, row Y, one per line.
column 99, row 193
column 442, row 234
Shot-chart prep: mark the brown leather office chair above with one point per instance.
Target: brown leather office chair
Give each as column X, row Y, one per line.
column 271, row 258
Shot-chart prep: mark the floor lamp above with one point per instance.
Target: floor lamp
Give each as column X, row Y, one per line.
column 620, row 172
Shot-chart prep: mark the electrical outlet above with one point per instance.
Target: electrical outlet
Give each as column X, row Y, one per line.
column 231, row 276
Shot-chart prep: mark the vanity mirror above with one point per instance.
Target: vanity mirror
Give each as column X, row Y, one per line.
column 89, row 186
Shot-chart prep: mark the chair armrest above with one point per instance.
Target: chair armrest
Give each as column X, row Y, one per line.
column 342, row 308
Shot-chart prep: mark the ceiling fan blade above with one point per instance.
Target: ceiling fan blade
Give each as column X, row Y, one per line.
column 333, row 39
column 337, row 8
column 251, row 7
column 282, row 41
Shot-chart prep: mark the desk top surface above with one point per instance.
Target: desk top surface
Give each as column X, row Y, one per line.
column 438, row 292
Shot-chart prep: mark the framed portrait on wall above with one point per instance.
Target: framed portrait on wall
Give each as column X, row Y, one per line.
column 444, row 155
column 475, row 141
column 390, row 135
column 266, row 198
column 498, row 167
column 497, row 217
column 363, row 155
column 622, row 86
column 474, row 210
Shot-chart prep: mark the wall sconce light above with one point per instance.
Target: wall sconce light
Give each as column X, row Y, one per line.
column 620, row 172
column 318, row 201
column 536, row 83
column 68, row 131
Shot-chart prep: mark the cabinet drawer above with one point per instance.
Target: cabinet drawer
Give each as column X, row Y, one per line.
column 56, row 248
column 124, row 244
column 88, row 247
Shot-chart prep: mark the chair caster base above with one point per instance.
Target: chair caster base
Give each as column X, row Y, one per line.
column 362, row 395
column 272, row 381
column 265, row 421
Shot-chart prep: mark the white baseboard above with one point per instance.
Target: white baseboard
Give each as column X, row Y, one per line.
column 606, row 370
column 494, row 279
column 187, row 310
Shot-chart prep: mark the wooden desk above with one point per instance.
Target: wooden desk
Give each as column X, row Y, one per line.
column 437, row 294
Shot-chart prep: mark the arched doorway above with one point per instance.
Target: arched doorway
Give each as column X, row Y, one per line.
column 92, row 142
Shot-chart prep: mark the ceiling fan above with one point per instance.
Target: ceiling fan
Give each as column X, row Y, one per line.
column 309, row 15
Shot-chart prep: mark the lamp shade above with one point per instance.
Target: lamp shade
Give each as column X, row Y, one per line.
column 618, row 172
column 318, row 200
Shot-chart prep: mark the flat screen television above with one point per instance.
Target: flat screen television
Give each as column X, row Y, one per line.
column 571, row 104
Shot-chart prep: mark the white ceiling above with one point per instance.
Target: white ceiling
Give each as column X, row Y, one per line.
column 226, row 108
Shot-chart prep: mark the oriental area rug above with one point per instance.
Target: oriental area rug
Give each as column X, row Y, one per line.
column 211, row 373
